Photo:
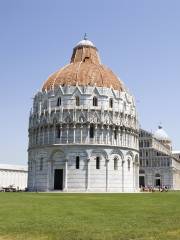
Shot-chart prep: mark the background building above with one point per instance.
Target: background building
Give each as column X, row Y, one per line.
column 15, row 175
column 158, row 165
column 83, row 129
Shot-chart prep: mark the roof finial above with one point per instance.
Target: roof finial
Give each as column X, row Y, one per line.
column 85, row 36
column 160, row 125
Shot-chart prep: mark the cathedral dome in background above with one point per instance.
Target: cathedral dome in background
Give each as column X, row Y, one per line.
column 161, row 134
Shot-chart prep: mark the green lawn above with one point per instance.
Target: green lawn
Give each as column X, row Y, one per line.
column 39, row 216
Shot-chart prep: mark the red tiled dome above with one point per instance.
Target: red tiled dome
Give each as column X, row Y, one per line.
column 85, row 69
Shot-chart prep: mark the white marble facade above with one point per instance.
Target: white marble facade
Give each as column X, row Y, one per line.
column 83, row 139
column 159, row 166
column 13, row 175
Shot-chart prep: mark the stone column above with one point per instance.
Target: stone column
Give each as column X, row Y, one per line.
column 66, row 176
column 137, row 142
column 129, row 137
column 49, row 107
column 81, row 128
column 107, row 175
column 88, row 175
column 118, row 137
column 121, row 138
column 130, row 134
column 88, row 134
column 74, row 133
column 125, row 138
column 107, row 134
column 67, row 133
column 40, row 108
column 60, row 139
column 137, row 176
column 102, row 134
column 95, row 134
column 122, row 175
column 50, row 174
column 134, row 177
column 113, row 134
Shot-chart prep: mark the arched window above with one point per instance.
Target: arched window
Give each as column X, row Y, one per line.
column 91, row 131
column 140, row 162
column 115, row 134
column 86, row 59
column 115, row 164
column 77, row 101
column 77, row 162
column 168, row 162
column 41, row 164
column 95, row 101
column 111, row 103
column 58, row 133
column 157, row 180
column 58, row 102
column 129, row 164
column 141, row 178
column 97, row 162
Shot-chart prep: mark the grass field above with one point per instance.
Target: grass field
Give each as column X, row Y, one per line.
column 151, row 216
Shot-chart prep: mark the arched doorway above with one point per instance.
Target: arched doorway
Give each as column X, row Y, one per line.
column 141, row 178
column 157, row 180
column 57, row 170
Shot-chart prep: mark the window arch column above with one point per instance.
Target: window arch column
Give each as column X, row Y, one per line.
column 102, row 135
column 122, row 165
column 88, row 175
column 67, row 133
column 107, row 175
column 74, row 133
column 66, row 175
column 81, row 131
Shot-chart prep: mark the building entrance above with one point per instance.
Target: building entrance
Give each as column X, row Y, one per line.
column 141, row 181
column 58, row 179
column 157, row 180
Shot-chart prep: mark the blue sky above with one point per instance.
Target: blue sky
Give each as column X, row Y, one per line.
column 139, row 40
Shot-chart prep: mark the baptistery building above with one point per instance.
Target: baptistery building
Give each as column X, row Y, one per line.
column 83, row 129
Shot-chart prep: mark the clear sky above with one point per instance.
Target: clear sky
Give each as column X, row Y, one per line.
column 139, row 40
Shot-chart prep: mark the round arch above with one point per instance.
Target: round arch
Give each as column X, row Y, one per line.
column 55, row 151
column 130, row 154
column 99, row 153
column 118, row 153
